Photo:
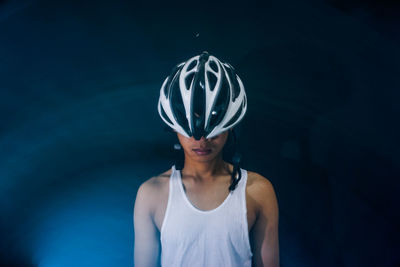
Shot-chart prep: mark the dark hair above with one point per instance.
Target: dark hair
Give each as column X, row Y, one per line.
column 229, row 154
column 236, row 174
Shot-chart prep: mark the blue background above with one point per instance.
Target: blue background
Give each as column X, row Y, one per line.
column 79, row 131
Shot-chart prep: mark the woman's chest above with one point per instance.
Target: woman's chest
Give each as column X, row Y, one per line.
column 207, row 203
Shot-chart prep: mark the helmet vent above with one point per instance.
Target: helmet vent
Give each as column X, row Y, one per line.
column 212, row 81
column 178, row 108
column 220, row 107
column 192, row 65
column 164, row 115
column 236, row 88
column 213, row 66
column 234, row 80
column 234, row 118
column 170, row 81
column 188, row 80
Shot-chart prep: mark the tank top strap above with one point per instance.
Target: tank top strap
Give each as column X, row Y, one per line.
column 174, row 198
column 241, row 186
column 174, row 175
column 175, row 184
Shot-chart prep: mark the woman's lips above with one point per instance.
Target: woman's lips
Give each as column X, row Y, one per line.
column 202, row 152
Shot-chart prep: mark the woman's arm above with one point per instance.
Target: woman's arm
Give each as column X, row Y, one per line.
column 147, row 244
column 264, row 233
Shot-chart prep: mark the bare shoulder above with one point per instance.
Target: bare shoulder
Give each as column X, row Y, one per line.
column 257, row 183
column 260, row 189
column 156, row 183
column 154, row 189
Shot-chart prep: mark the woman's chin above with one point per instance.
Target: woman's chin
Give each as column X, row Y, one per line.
column 206, row 157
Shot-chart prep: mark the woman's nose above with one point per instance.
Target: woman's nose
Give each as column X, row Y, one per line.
column 203, row 139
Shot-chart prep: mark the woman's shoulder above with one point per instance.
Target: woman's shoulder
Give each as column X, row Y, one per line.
column 262, row 194
column 258, row 185
column 158, row 182
column 154, row 190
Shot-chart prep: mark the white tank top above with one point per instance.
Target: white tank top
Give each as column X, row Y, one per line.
column 214, row 238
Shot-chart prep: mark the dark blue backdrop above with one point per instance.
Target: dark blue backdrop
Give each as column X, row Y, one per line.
column 79, row 131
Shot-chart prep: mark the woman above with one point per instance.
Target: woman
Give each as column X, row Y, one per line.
column 210, row 212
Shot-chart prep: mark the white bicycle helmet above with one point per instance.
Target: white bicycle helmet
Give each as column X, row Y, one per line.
column 202, row 97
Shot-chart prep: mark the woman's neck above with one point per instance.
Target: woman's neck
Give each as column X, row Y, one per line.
column 205, row 170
